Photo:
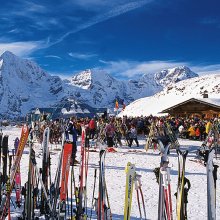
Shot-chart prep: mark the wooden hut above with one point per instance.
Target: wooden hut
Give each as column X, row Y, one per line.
column 205, row 108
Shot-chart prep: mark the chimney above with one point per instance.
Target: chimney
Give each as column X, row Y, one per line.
column 205, row 94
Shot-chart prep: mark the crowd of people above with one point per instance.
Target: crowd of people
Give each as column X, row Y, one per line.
column 113, row 130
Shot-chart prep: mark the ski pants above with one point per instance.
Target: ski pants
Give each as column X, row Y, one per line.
column 131, row 141
column 74, row 150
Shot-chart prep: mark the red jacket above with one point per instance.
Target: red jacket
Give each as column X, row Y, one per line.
column 92, row 124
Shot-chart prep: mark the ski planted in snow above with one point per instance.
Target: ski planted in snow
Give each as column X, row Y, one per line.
column 130, row 176
column 182, row 192
column 45, row 168
column 23, row 140
column 67, row 152
column 211, row 170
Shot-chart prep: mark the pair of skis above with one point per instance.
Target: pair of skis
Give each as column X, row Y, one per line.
column 182, row 190
column 211, row 172
column 45, row 170
column 163, row 174
column 30, row 204
column 132, row 178
column 80, row 192
column 33, row 208
column 22, row 143
column 67, row 152
column 17, row 177
column 102, row 203
column 103, row 209
column 151, row 135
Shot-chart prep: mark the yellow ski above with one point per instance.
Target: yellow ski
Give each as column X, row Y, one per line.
column 130, row 175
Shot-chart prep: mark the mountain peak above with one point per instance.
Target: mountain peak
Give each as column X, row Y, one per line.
column 86, row 78
column 8, row 55
column 174, row 75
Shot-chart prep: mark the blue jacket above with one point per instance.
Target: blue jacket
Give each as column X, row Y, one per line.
column 71, row 132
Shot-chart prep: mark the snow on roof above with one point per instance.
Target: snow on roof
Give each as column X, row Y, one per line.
column 212, row 102
column 154, row 105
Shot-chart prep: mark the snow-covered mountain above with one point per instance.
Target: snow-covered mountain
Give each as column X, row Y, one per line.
column 98, row 88
column 176, row 93
column 174, row 75
column 95, row 87
column 24, row 85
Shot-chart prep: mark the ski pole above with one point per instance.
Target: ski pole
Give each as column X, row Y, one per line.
column 86, row 173
column 142, row 197
column 138, row 178
column 93, row 193
column 71, row 193
column 68, row 201
column 138, row 199
column 169, row 190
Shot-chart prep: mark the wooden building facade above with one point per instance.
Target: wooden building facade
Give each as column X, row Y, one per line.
column 203, row 108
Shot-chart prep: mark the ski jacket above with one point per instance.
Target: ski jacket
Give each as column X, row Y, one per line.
column 181, row 129
column 208, row 127
column 71, row 129
column 191, row 131
column 133, row 133
column 197, row 132
column 92, row 124
column 110, row 130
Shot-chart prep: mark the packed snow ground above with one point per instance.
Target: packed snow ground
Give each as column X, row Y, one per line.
column 145, row 164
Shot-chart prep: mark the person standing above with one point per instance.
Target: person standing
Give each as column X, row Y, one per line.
column 133, row 135
column 208, row 127
column 110, row 131
column 92, row 126
column 71, row 136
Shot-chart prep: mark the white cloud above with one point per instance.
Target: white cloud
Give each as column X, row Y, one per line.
column 97, row 5
column 204, row 69
column 21, row 48
column 82, row 56
column 131, row 69
column 15, row 31
column 118, row 10
column 53, row 56
column 28, row 8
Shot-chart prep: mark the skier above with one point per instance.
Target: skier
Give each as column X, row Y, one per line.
column 71, row 136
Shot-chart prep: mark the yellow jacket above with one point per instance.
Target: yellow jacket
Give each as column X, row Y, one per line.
column 192, row 131
column 208, row 127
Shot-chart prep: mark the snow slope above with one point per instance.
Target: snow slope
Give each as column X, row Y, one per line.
column 174, row 94
column 145, row 164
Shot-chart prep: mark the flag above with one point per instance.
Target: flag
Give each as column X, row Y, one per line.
column 116, row 104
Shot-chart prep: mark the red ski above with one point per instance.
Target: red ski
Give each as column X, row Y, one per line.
column 22, row 143
column 67, row 151
column 18, row 186
column 17, row 177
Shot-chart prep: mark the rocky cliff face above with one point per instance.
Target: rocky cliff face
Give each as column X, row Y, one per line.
column 23, row 85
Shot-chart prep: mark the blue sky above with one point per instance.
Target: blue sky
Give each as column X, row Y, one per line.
column 126, row 38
